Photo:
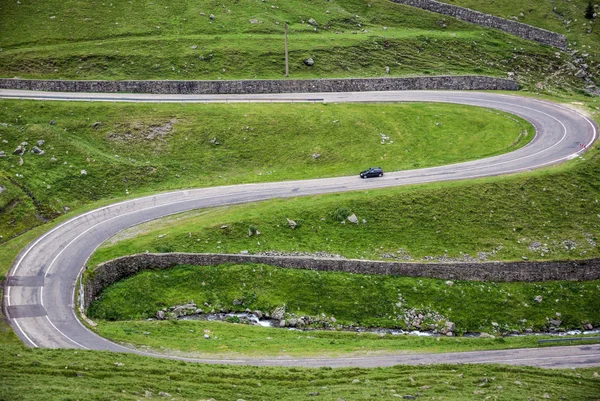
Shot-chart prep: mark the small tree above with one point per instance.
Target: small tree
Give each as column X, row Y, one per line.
column 589, row 11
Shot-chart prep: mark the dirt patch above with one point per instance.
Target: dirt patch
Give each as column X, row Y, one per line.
column 140, row 131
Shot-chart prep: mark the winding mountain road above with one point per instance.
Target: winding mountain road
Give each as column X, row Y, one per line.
column 40, row 288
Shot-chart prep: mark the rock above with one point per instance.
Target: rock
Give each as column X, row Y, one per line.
column 485, row 335
column 313, row 22
column 538, row 298
column 119, row 364
column 83, row 172
column 19, row 151
column 37, row 150
column 292, row 223
column 309, row 62
column 244, row 252
column 494, row 324
column 20, row 161
column 581, row 73
column 353, row 219
column 206, row 336
column 555, row 322
column 387, row 70
column 450, row 283
column 194, row 47
column 282, row 323
column 148, row 394
column 316, row 155
column 212, row 16
column 41, row 142
column 409, row 397
column 96, row 125
column 292, row 322
column 53, row 159
column 2, row 188
column 450, row 326
column 2, row 154
column 66, row 209
column 52, row 122
column 588, row 326
column 254, row 21
column 278, row 313
column 163, row 394
column 160, row 315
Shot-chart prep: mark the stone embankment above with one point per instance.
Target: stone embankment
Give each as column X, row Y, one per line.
column 491, row 21
column 264, row 86
column 117, row 269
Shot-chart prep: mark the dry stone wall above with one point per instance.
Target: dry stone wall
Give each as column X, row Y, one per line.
column 514, row 28
column 264, row 86
column 120, row 268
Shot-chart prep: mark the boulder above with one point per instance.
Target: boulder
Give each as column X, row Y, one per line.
column 353, row 219
column 278, row 313
column 309, row 62
column 19, row 151
column 37, row 150
column 313, row 22
column 212, row 16
column 160, row 315
column 588, row 326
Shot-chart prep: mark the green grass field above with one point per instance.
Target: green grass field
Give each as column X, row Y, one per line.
column 354, row 38
column 145, row 148
column 354, row 300
column 70, row 375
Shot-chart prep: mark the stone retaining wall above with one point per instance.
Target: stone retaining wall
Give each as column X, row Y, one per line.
column 514, row 28
column 264, row 86
column 117, row 269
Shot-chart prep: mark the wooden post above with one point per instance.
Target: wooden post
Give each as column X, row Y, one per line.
column 287, row 65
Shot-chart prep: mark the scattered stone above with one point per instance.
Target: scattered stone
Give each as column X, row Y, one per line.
column 37, row 150
column 53, row 159
column 314, row 393
column 41, row 142
column 83, row 172
column 19, row 151
column 148, row 394
column 409, row 397
column 97, row 125
column 119, row 364
column 2, row 188
column 292, row 223
column 316, row 155
column 254, row 21
column 309, row 62
column 538, row 298
column 581, row 74
column 212, row 16
column 387, row 70
column 206, row 336
column 244, row 252
column 161, row 236
column 313, row 22
column 163, row 394
column 555, row 322
column 450, row 283
column 588, row 326
column 20, row 161
column 52, row 122
column 2, row 154
column 160, row 315
column 353, row 219
column 194, row 47
column 66, row 209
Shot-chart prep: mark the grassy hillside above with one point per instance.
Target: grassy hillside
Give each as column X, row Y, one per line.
column 127, row 150
column 354, row 299
column 351, row 38
column 67, row 374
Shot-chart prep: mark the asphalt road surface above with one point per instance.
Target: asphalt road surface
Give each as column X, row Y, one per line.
column 40, row 288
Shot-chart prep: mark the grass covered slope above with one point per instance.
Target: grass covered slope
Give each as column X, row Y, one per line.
column 355, row 299
column 99, row 151
column 67, row 374
column 546, row 215
column 350, row 38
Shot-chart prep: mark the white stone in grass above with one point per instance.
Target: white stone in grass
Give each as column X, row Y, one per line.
column 353, row 219
column 83, row 172
column 538, row 298
column 206, row 336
